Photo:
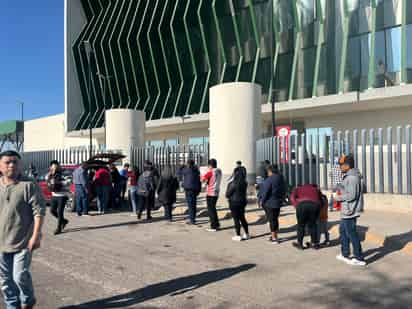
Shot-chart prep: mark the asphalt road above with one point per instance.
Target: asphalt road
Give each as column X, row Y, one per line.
column 112, row 261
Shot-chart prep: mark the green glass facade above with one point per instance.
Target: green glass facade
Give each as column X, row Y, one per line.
column 162, row 56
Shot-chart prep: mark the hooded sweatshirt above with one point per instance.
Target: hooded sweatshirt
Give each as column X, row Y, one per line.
column 351, row 195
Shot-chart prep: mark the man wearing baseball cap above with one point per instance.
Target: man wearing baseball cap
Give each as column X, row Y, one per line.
column 352, row 206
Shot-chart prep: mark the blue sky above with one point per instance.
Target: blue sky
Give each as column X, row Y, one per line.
column 31, row 58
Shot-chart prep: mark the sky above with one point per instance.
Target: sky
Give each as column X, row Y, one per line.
column 31, row 58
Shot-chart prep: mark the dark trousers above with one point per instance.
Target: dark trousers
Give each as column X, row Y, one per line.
column 82, row 200
column 212, row 212
column 307, row 214
column 168, row 211
column 116, row 200
column 144, row 202
column 238, row 215
column 191, row 199
column 57, row 205
column 349, row 234
column 272, row 215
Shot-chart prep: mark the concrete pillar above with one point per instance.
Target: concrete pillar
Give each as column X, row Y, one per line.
column 235, row 124
column 125, row 128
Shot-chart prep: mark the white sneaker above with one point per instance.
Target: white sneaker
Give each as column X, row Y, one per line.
column 356, row 262
column 211, row 230
column 236, row 238
column 340, row 257
column 245, row 237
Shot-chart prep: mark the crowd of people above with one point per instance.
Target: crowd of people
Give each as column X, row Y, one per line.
column 22, row 208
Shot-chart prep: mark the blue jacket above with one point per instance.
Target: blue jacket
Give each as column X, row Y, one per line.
column 191, row 179
column 272, row 191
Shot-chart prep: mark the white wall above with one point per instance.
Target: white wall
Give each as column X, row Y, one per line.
column 49, row 133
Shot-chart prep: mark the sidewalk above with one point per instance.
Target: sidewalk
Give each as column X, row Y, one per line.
column 391, row 231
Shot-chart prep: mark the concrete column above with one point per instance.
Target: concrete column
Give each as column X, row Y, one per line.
column 235, row 124
column 125, row 128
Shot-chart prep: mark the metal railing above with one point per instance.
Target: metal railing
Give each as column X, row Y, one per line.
column 383, row 157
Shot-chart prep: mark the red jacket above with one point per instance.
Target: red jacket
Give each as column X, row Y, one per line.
column 305, row 193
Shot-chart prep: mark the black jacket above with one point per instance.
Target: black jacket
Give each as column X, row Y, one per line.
column 166, row 190
column 272, row 193
column 236, row 193
column 191, row 179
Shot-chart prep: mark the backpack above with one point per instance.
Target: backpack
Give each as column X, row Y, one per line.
column 145, row 184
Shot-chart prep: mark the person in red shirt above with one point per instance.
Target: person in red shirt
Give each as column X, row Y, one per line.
column 103, row 187
column 307, row 201
column 213, row 178
column 133, row 176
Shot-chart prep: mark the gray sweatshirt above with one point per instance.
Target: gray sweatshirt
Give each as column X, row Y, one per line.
column 351, row 195
column 19, row 204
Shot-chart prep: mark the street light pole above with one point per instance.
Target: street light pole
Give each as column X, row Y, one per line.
column 89, row 52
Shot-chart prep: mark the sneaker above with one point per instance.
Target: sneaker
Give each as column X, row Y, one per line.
column 298, row 246
column 86, row 215
column 326, row 243
column 211, row 230
column 342, row 258
column 57, row 232
column 274, row 241
column 356, row 262
column 245, row 237
column 236, row 238
column 65, row 223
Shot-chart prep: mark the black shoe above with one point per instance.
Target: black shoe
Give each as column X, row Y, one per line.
column 65, row 223
column 298, row 246
column 57, row 232
column 326, row 243
column 316, row 246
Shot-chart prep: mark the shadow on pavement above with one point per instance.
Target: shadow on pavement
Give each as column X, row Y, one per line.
column 391, row 244
column 172, row 287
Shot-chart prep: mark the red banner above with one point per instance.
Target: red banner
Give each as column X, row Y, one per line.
column 283, row 132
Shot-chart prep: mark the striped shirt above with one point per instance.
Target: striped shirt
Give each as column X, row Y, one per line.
column 213, row 178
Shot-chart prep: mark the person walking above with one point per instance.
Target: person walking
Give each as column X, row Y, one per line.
column 80, row 181
column 123, row 180
column 192, row 187
column 103, row 188
column 22, row 214
column 271, row 197
column 307, row 200
column 213, row 178
column 133, row 176
column 58, row 188
column 146, row 191
column 166, row 191
column 236, row 193
column 352, row 207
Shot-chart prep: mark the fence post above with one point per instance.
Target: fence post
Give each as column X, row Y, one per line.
column 408, row 159
column 380, row 162
column 325, row 162
column 390, row 163
column 363, row 155
column 355, row 146
column 297, row 178
column 303, row 140
column 290, row 160
column 339, row 141
column 347, row 150
column 317, row 155
column 310, row 152
column 399, row 158
column 372, row 159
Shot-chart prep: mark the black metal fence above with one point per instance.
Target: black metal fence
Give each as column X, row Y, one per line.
column 383, row 156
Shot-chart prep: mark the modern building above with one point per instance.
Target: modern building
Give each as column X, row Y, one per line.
column 326, row 63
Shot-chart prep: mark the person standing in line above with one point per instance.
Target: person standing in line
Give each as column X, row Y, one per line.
column 352, row 207
column 58, row 188
column 133, row 176
column 103, row 188
column 241, row 168
column 146, row 191
column 236, row 193
column 307, row 200
column 271, row 197
column 123, row 180
column 80, row 180
column 22, row 214
column 213, row 178
column 261, row 175
column 166, row 191
column 116, row 186
column 192, row 187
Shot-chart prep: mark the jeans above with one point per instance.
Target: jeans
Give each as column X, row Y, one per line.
column 168, row 211
column 272, row 215
column 116, row 201
column 82, row 200
column 103, row 193
column 307, row 214
column 191, row 199
column 134, row 199
column 238, row 214
column 57, row 205
column 15, row 279
column 212, row 212
column 349, row 234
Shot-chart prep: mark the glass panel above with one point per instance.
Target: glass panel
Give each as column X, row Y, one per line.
column 156, row 143
column 380, row 58
column 409, row 53
column 171, row 142
column 304, row 73
column 306, row 10
column 393, row 49
column 282, row 77
column 198, row 140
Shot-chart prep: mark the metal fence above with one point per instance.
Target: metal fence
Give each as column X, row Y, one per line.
column 383, row 156
column 173, row 156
